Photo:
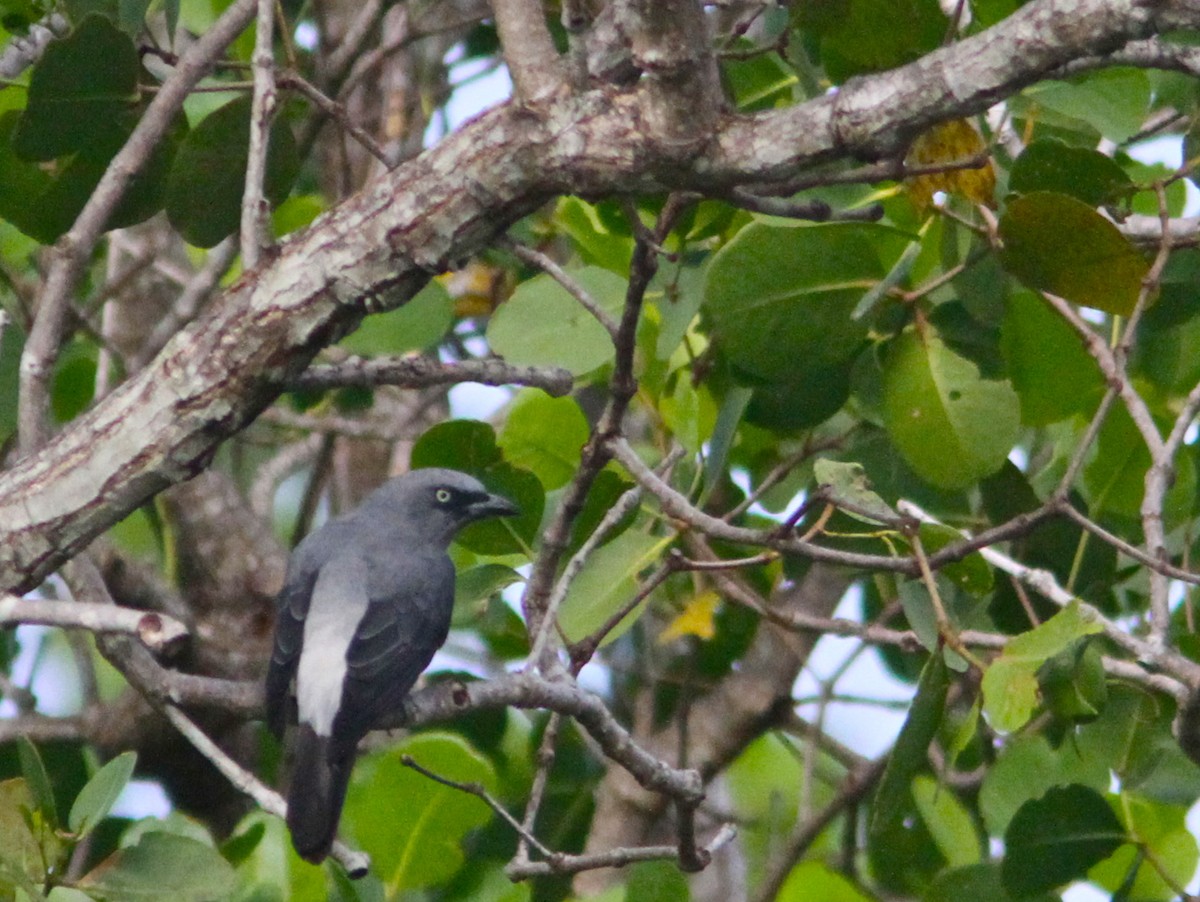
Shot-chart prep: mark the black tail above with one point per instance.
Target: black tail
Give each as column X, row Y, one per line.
column 316, row 794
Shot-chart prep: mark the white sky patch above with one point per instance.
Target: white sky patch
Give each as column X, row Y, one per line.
column 867, row 728
column 1167, row 150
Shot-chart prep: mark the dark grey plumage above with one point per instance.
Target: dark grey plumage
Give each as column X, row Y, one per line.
column 365, row 605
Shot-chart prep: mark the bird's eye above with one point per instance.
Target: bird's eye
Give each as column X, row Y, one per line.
column 442, row 496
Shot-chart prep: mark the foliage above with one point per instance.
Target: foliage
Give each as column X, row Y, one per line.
column 962, row 401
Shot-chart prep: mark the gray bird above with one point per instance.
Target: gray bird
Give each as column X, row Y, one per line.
column 365, row 605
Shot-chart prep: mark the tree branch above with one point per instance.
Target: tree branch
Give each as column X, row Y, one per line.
column 375, row 250
column 75, row 247
column 155, row 631
column 425, row 372
column 533, row 62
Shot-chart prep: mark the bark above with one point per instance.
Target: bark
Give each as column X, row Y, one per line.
column 380, row 246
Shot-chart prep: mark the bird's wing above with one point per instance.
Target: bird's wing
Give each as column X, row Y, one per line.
column 291, row 607
column 405, row 623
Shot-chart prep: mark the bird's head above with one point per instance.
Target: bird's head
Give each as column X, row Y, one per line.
column 441, row 501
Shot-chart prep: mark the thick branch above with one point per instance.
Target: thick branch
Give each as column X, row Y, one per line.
column 375, row 250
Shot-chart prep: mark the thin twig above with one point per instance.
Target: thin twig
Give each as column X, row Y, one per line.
column 477, row 790
column 255, row 210
column 563, row 278
column 613, row 858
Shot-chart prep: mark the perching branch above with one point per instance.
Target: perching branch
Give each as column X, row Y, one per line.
column 155, row 631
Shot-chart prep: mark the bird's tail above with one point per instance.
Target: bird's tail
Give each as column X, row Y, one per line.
column 316, row 794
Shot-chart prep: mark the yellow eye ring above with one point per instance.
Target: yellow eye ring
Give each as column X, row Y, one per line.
column 442, row 496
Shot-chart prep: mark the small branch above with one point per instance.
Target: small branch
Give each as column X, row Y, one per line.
column 1161, row 472
column 39, row 728
column 23, row 51
column 255, row 210
column 424, row 372
column 526, row 690
column 626, row 503
column 155, row 631
column 337, row 112
column 357, row 864
column 477, row 790
column 613, row 858
column 596, row 453
column 1045, row 583
column 853, row 791
column 812, row 210
column 545, row 761
column 575, row 20
column 536, row 70
column 559, row 275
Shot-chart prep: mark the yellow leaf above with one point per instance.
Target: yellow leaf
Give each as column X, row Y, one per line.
column 696, row 619
column 947, row 144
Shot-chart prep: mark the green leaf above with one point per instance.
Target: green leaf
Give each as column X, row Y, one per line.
column 542, row 325
column 68, row 894
column 910, row 753
column 607, row 582
column 947, row 820
column 1010, row 688
column 38, row 781
column 544, row 435
column 21, row 855
column 1055, row 839
column 657, row 881
column 1161, row 830
column 758, row 82
column 1082, row 173
column 419, row 324
column 162, row 866
column 872, row 35
column 1056, row 243
column 78, row 91
column 845, row 481
column 97, row 797
column 780, row 297
column 74, row 382
column 972, row 574
column 1114, row 478
column 976, row 882
column 208, row 176
column 812, row 881
column 807, row 397
column 1027, row 768
column 952, row 426
column 1112, row 102
column 21, row 185
column 411, row 826
column 689, row 412
column 606, row 489
column 1073, row 683
column 475, row 586
column 599, row 243
column 1052, row 373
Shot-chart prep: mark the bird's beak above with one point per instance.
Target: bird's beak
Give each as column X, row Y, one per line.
column 493, row 506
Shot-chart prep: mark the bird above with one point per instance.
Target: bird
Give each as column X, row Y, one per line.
column 365, row 605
